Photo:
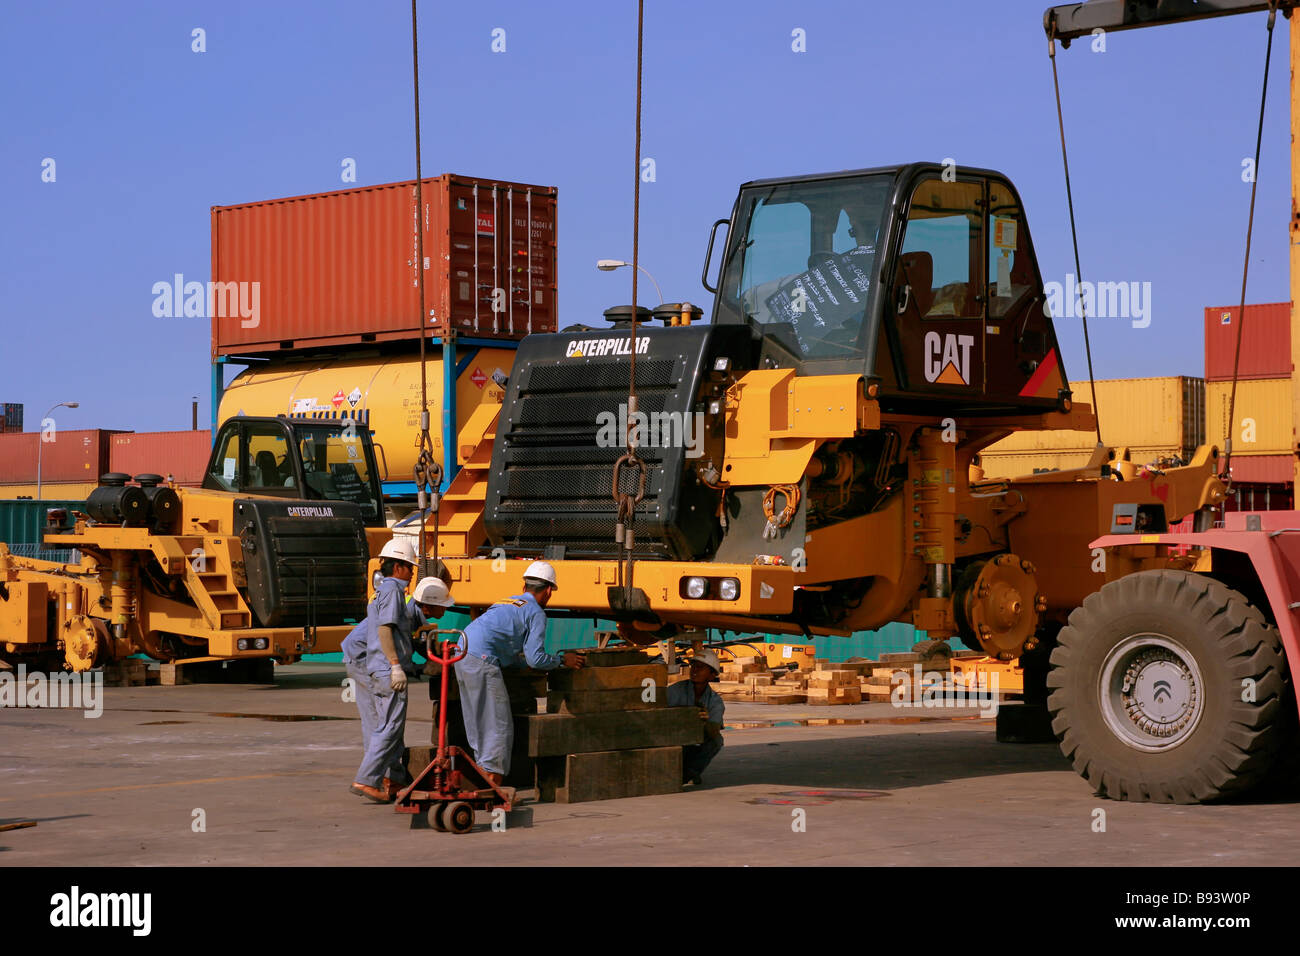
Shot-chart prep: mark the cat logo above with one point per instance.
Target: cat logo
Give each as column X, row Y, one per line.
column 947, row 358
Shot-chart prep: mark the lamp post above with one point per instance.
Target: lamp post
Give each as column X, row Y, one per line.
column 609, row 265
column 40, row 448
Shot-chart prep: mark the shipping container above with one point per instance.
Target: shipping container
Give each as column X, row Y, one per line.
column 62, row 490
column 1263, row 469
column 1255, row 496
column 1139, row 412
column 11, row 417
column 339, row 268
column 1017, row 464
column 1262, row 416
column 63, row 455
column 22, row 522
column 182, row 455
column 1265, row 342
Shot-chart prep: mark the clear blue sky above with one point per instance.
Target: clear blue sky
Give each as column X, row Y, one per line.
column 147, row 135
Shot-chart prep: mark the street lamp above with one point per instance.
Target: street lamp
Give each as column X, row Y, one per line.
column 609, row 265
column 40, row 448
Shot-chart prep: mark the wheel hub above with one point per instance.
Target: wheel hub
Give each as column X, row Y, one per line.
column 1151, row 692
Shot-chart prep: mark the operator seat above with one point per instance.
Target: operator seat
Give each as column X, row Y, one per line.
column 916, row 271
column 267, row 470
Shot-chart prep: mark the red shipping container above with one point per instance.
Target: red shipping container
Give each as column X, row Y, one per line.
column 1265, row 342
column 183, row 455
column 339, row 268
column 80, row 455
column 1263, row 469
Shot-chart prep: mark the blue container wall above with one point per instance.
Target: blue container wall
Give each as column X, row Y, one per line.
column 22, row 522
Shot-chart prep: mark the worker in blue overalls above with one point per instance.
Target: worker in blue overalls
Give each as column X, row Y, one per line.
column 510, row 633
column 378, row 655
column 696, row 692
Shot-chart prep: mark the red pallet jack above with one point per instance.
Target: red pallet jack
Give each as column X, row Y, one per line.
column 453, row 786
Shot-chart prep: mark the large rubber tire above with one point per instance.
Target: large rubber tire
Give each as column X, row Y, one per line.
column 1204, row 643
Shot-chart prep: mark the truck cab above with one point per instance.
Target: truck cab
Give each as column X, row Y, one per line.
column 921, row 277
column 310, row 459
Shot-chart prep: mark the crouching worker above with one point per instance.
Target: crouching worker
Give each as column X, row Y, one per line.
column 510, row 633
column 696, row 692
column 378, row 655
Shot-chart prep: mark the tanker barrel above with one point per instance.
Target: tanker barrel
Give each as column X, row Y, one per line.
column 115, row 502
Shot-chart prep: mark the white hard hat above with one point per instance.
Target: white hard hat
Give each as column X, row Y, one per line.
column 400, row 547
column 543, row 572
column 708, row 658
column 433, row 591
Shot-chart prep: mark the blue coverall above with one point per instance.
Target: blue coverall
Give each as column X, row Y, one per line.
column 695, row 757
column 510, row 633
column 382, row 710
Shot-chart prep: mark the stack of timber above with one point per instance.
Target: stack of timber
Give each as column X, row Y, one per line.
column 831, row 684
column 750, row 679
column 608, row 731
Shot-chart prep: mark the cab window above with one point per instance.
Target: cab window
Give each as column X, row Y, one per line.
column 942, row 264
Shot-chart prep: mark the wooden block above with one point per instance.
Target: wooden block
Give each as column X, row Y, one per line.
column 878, row 692
column 758, row 680
column 609, row 775
column 613, row 657
column 557, row 734
column 608, row 678
column 817, row 693
column 849, row 695
column 902, row 658
column 601, row 701
column 172, row 675
column 724, row 686
column 776, row 696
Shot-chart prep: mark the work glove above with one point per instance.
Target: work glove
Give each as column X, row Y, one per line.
column 397, row 677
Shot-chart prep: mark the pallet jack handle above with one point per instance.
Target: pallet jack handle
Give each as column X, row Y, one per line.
column 445, row 657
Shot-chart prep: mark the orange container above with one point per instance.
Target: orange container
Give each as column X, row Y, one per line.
column 183, row 455
column 76, row 456
column 339, row 268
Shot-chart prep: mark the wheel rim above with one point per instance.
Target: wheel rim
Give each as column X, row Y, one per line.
column 1152, row 695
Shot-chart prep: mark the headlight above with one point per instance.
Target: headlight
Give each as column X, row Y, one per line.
column 696, row 588
column 242, row 644
column 260, row 644
column 729, row 589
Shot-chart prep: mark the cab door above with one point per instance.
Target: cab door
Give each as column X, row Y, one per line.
column 936, row 332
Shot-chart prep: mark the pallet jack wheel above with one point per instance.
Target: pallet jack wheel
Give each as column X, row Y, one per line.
column 458, row 817
column 435, row 817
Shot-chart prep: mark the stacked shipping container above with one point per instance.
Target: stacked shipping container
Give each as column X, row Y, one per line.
column 339, row 269
column 180, row 455
column 1262, row 430
column 1154, row 417
column 72, row 461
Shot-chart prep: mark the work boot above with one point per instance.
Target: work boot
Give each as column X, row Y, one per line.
column 390, row 788
column 373, row 794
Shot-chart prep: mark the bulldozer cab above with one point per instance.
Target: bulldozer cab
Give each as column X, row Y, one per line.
column 921, row 277
column 312, row 459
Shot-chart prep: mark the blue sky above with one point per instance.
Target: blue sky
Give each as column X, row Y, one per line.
column 147, row 135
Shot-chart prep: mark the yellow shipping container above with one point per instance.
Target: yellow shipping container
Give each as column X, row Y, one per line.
column 1018, row 464
column 51, row 491
column 1164, row 412
column 1262, row 423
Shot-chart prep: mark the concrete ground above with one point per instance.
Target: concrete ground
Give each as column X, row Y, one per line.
column 266, row 769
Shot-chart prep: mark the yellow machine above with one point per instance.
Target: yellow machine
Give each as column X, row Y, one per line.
column 805, row 460
column 267, row 560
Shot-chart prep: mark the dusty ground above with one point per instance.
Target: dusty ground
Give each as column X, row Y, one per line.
column 127, row 788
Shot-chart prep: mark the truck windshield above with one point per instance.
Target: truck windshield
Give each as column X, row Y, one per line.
column 334, row 465
column 801, row 260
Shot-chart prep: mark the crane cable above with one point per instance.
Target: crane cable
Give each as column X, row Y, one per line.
column 624, row 500
column 427, row 470
column 1074, row 236
column 1245, row 267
